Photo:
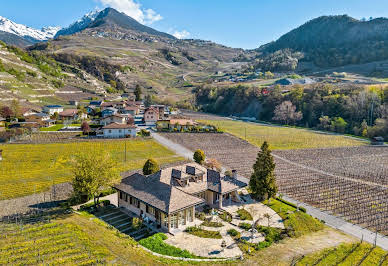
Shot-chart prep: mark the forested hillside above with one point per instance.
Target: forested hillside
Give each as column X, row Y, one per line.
column 328, row 41
column 346, row 109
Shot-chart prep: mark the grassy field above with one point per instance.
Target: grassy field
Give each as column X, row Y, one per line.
column 347, row 254
column 72, row 240
column 282, row 138
column 32, row 168
column 300, row 222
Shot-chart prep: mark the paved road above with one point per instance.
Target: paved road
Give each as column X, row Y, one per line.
column 342, row 225
column 330, row 220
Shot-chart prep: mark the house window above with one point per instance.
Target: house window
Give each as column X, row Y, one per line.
column 165, row 221
column 135, row 202
column 121, row 195
column 119, row 130
column 190, row 215
column 126, row 197
column 110, row 131
column 150, row 210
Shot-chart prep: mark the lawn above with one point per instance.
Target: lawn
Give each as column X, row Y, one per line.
column 33, row 168
column 52, row 128
column 299, row 222
column 282, row 138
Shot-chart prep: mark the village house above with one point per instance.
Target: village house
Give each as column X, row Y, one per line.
column 109, row 111
column 52, row 109
column 170, row 197
column 116, row 130
column 29, row 111
column 42, row 119
column 151, row 116
column 130, row 110
column 72, row 115
column 119, row 119
column 179, row 124
column 161, row 110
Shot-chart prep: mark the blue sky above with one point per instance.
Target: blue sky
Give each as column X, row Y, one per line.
column 243, row 23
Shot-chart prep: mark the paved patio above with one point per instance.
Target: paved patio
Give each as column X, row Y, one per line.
column 205, row 247
column 257, row 210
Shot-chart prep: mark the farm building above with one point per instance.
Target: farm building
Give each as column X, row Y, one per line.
column 170, row 197
column 116, row 130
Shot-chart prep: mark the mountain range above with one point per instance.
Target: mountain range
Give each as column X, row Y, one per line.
column 118, row 53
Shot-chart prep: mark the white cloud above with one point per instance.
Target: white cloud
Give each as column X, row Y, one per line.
column 134, row 10
column 184, row 34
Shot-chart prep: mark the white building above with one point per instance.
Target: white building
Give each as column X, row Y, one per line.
column 115, row 130
column 52, row 109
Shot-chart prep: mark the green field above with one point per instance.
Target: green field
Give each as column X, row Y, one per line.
column 347, row 254
column 33, row 168
column 282, row 138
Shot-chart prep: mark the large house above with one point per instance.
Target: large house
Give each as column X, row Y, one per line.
column 116, row 130
column 52, row 109
column 151, row 116
column 170, row 197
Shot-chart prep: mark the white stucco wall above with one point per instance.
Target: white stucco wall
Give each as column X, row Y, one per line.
column 119, row 133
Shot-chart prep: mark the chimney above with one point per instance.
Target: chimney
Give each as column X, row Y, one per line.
column 234, row 174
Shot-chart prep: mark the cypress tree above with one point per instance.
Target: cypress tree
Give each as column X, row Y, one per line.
column 150, row 167
column 263, row 183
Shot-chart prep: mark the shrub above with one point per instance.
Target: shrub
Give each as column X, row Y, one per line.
column 200, row 216
column 136, row 223
column 145, row 133
column 203, row 233
column 245, row 226
column 212, row 224
column 226, row 216
column 234, row 233
column 156, row 244
column 244, row 215
column 199, row 156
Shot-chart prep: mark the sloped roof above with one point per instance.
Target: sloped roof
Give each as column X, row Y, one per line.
column 118, row 126
column 69, row 112
column 160, row 195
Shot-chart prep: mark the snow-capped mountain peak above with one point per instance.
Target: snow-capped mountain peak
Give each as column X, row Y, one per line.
column 27, row 32
column 80, row 24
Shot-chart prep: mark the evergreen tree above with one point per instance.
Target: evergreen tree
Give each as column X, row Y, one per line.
column 263, row 182
column 138, row 92
column 150, row 167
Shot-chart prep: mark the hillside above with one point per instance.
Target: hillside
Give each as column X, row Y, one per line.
column 136, row 54
column 36, row 80
column 328, row 41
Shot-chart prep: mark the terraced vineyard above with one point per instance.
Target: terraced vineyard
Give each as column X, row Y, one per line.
column 32, row 168
column 348, row 254
column 50, row 243
column 323, row 178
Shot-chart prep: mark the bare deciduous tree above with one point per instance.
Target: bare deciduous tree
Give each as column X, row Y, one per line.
column 286, row 113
